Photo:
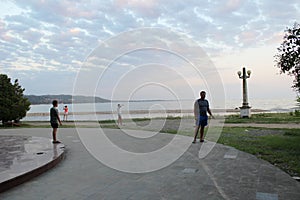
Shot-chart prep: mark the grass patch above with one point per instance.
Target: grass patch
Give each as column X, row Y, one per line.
column 170, row 117
column 23, row 125
column 112, row 126
column 170, row 131
column 292, row 132
column 278, row 146
column 265, row 118
column 140, row 119
column 107, row 121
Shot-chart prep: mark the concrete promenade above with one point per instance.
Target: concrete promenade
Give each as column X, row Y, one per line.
column 225, row 173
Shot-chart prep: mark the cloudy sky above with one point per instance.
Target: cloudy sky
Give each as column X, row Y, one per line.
column 47, row 44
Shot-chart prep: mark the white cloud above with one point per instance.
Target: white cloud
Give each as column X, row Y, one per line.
column 57, row 35
column 202, row 16
column 8, row 8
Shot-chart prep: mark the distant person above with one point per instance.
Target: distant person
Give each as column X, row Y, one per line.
column 54, row 120
column 119, row 114
column 201, row 108
column 66, row 112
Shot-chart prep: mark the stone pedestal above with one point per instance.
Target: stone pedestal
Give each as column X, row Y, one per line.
column 245, row 112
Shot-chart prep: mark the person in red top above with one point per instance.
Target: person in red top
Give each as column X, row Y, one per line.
column 66, row 112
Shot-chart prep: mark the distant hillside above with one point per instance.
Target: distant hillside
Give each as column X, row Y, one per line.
column 66, row 99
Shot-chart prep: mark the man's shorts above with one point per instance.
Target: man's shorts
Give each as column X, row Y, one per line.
column 202, row 121
column 54, row 125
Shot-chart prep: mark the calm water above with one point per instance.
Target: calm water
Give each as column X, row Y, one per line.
column 102, row 111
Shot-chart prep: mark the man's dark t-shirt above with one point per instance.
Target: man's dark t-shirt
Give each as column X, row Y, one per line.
column 203, row 107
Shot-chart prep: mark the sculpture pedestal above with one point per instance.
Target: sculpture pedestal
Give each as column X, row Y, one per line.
column 245, row 112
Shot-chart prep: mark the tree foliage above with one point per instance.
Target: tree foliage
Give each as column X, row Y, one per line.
column 288, row 57
column 13, row 104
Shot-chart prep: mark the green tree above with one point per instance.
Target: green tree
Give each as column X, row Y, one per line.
column 288, row 57
column 13, row 104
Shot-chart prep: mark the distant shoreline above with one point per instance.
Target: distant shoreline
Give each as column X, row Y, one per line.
column 148, row 111
column 62, row 98
column 69, row 99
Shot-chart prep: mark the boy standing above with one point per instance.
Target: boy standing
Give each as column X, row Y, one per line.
column 54, row 120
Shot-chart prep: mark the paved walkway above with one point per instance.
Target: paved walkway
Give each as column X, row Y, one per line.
column 225, row 173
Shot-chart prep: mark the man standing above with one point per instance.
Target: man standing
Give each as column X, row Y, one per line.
column 54, row 120
column 201, row 108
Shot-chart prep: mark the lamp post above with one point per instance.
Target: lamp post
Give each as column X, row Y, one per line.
column 245, row 109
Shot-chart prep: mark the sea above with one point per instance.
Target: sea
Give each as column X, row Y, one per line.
column 155, row 108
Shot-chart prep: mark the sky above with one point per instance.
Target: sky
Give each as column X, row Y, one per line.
column 146, row 49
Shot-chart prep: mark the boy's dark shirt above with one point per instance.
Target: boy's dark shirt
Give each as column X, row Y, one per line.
column 53, row 115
